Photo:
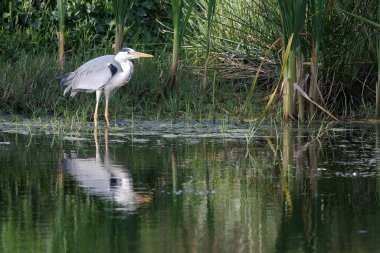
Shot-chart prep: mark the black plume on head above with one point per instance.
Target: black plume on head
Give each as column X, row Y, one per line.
column 126, row 49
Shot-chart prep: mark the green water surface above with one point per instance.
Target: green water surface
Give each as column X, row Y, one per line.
column 190, row 188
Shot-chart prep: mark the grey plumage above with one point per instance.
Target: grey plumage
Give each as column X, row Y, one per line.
column 103, row 74
column 93, row 75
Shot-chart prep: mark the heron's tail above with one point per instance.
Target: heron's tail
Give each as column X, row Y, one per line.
column 66, row 78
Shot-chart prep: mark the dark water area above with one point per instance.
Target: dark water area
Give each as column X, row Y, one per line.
column 161, row 187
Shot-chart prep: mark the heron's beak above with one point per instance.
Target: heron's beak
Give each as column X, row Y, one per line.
column 142, row 55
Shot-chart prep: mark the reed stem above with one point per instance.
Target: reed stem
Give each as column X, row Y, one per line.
column 211, row 5
column 317, row 12
column 292, row 16
column 378, row 64
column 120, row 10
column 61, row 6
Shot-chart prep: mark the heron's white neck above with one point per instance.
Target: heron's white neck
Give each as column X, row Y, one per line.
column 127, row 66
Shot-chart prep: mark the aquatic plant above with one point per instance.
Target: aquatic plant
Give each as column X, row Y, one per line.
column 120, row 10
column 239, row 45
column 210, row 14
column 180, row 20
column 378, row 64
column 61, row 9
column 317, row 9
column 292, row 16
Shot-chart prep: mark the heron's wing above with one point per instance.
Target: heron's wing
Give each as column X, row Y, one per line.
column 93, row 75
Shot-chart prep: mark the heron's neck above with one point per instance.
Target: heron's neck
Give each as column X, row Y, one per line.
column 126, row 66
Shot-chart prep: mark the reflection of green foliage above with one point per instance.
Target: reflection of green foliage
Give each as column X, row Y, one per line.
column 223, row 200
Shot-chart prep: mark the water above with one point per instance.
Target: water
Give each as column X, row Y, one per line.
column 161, row 187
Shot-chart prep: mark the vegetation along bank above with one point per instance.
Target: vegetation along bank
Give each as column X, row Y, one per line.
column 226, row 59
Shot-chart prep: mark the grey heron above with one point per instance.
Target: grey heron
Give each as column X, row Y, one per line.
column 103, row 74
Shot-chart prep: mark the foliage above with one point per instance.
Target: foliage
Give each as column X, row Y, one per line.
column 30, row 26
column 61, row 10
column 120, row 11
column 29, row 87
column 243, row 38
column 378, row 65
column 292, row 21
column 210, row 16
column 180, row 14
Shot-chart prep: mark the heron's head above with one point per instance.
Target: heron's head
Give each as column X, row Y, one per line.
column 129, row 54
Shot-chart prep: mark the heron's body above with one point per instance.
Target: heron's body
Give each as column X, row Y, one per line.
column 103, row 74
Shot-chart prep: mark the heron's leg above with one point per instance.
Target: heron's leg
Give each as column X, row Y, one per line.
column 106, row 139
column 98, row 95
column 106, row 111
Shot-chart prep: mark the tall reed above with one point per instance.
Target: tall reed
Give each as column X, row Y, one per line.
column 317, row 8
column 120, row 11
column 376, row 25
column 176, row 10
column 61, row 6
column 292, row 16
column 211, row 5
column 378, row 63
column 179, row 26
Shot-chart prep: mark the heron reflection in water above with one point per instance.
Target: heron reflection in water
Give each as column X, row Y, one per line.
column 102, row 177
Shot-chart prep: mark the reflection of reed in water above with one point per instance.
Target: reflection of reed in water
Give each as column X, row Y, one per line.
column 101, row 176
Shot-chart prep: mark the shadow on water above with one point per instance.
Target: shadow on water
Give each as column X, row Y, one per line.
column 298, row 189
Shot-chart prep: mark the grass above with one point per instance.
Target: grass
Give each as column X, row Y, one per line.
column 210, row 14
column 61, row 10
column 121, row 10
column 243, row 37
column 317, row 11
column 292, row 21
column 180, row 20
column 29, row 87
